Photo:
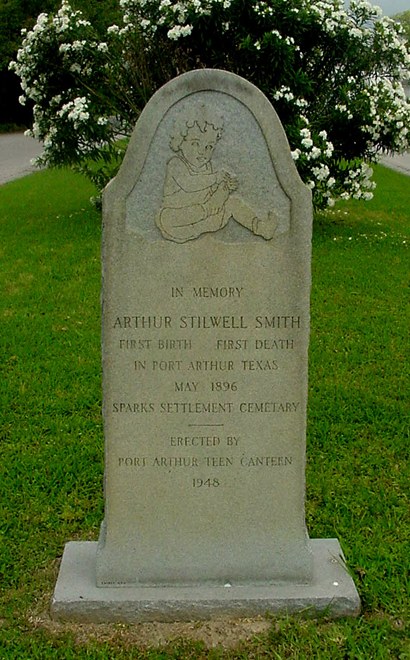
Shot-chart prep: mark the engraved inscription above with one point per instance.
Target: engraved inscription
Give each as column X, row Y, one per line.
column 204, row 322
column 222, row 374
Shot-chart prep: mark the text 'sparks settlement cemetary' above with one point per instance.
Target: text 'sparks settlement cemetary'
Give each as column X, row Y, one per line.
column 206, row 281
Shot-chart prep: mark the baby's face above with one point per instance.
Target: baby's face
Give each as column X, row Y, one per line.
column 197, row 148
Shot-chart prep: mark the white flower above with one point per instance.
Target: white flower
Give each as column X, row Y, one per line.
column 64, row 48
column 79, row 45
column 355, row 32
column 321, row 173
column 75, row 111
column 179, row 31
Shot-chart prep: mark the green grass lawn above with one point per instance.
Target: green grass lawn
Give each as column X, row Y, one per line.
column 51, row 429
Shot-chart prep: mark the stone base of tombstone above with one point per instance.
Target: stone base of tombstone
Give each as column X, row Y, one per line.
column 76, row 598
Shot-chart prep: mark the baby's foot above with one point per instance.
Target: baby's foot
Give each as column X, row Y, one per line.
column 265, row 227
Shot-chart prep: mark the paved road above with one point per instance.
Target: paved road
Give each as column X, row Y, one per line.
column 17, row 150
column 401, row 162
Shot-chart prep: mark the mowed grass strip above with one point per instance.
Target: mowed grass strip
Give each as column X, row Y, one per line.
column 51, row 430
column 51, row 437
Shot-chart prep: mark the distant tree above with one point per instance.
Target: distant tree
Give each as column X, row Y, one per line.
column 404, row 20
column 333, row 73
column 16, row 15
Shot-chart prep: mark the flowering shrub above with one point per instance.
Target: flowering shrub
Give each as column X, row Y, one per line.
column 333, row 74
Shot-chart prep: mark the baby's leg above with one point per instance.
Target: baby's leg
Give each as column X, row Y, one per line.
column 245, row 216
column 183, row 224
column 216, row 200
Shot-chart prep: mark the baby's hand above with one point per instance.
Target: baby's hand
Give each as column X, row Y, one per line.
column 221, row 176
column 229, row 181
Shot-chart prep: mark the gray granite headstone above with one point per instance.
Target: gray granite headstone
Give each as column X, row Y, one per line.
column 206, row 280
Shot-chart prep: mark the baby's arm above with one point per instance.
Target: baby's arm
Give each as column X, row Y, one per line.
column 187, row 181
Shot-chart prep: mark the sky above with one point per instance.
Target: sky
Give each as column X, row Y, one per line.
column 391, row 7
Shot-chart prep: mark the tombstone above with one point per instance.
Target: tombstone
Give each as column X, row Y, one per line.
column 206, row 280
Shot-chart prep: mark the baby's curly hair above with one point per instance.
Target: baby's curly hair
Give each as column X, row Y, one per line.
column 204, row 123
